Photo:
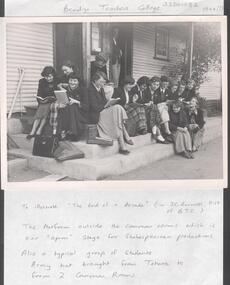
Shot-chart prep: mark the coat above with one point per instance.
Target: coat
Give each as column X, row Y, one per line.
column 161, row 97
column 189, row 94
column 196, row 117
column 120, row 93
column 96, row 103
column 116, row 53
column 177, row 120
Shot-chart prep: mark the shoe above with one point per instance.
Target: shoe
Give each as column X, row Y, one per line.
column 186, row 154
column 160, row 138
column 124, row 151
column 29, row 137
column 129, row 142
column 162, row 142
column 169, row 138
column 191, row 155
column 194, row 149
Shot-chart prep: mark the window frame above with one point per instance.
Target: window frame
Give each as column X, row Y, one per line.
column 100, row 27
column 158, row 56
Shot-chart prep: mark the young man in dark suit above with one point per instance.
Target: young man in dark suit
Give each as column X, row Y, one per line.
column 116, row 57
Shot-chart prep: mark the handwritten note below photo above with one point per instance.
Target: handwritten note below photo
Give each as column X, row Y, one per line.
column 125, row 237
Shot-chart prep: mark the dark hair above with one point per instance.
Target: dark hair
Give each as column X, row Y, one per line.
column 128, row 80
column 164, row 78
column 177, row 103
column 98, row 75
column 68, row 63
column 155, row 79
column 74, row 75
column 48, row 70
column 143, row 80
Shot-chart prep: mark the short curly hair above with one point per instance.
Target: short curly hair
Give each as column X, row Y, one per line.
column 47, row 70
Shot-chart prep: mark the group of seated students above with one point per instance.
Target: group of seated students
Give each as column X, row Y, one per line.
column 167, row 109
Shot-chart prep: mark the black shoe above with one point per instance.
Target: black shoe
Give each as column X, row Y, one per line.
column 29, row 137
column 124, row 151
column 162, row 142
column 169, row 138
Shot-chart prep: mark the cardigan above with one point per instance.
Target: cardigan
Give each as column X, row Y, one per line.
column 120, row 93
column 81, row 95
column 96, row 103
column 46, row 89
column 177, row 120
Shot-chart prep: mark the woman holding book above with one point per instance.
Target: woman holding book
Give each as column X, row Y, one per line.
column 72, row 117
column 109, row 118
column 45, row 97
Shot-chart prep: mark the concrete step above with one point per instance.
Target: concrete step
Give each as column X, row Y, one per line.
column 15, row 164
column 115, row 164
column 90, row 150
column 99, row 168
column 50, row 178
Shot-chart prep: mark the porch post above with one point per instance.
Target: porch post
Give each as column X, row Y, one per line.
column 86, row 52
column 191, row 48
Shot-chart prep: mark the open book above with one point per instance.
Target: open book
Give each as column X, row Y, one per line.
column 62, row 97
column 111, row 102
column 45, row 98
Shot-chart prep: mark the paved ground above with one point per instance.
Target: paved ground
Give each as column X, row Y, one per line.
column 206, row 165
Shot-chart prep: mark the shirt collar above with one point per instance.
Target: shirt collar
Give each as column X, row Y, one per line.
column 98, row 89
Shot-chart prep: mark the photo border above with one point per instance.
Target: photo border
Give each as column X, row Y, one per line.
column 127, row 184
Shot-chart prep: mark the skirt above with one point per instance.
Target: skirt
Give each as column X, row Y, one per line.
column 136, row 115
column 182, row 141
column 111, row 122
column 163, row 110
column 197, row 138
column 152, row 116
column 43, row 111
column 71, row 119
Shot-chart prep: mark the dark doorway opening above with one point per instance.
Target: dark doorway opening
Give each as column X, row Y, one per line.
column 125, row 43
column 68, row 46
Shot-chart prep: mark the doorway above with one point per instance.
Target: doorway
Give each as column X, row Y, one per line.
column 125, row 43
column 68, row 46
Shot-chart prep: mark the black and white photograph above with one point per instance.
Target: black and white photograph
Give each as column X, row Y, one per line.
column 115, row 99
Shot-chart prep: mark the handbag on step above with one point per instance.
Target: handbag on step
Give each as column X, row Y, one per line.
column 45, row 145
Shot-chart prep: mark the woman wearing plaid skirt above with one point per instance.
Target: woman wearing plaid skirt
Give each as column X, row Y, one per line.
column 137, row 123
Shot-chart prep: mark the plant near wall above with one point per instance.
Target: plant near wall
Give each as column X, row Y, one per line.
column 206, row 55
column 206, row 51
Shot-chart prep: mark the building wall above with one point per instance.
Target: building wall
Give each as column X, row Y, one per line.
column 29, row 46
column 144, row 62
column 211, row 89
